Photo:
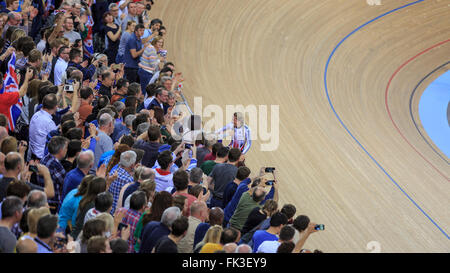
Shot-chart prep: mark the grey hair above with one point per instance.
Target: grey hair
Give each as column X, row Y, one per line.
column 56, row 144
column 171, row 94
column 83, row 163
column 196, row 175
column 99, row 56
column 36, row 199
column 11, row 15
column 104, row 120
column 127, row 159
column 100, row 71
column 10, row 206
column 112, row 5
column 170, row 215
column 244, row 248
column 142, row 128
column 119, row 105
column 129, row 120
column 164, row 79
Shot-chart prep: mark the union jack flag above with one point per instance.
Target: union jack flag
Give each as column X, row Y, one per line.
column 10, row 84
column 87, row 42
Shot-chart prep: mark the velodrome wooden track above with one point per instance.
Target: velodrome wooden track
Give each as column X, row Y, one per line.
column 275, row 52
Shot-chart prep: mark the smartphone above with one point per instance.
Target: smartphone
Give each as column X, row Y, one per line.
column 270, row 169
column 60, row 242
column 187, row 146
column 68, row 86
column 122, row 226
column 33, row 168
column 320, row 227
column 270, row 182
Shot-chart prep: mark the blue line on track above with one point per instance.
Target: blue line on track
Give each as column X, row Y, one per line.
column 348, row 131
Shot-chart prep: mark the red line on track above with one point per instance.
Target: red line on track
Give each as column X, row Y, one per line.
column 389, row 111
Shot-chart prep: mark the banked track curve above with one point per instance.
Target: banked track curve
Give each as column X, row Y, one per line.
column 274, row 53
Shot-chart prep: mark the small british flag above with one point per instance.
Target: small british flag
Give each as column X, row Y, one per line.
column 10, row 84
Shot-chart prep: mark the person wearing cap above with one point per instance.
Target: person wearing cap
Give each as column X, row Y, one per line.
column 241, row 133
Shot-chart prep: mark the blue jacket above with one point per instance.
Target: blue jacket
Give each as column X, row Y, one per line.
column 69, row 209
column 72, row 181
column 150, row 235
column 154, row 103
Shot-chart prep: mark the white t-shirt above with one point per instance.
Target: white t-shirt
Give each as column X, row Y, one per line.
column 163, row 180
column 268, row 247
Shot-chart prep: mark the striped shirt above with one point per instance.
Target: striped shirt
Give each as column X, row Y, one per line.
column 149, row 59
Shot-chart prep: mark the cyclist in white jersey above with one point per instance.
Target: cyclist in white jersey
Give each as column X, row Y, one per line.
column 241, row 133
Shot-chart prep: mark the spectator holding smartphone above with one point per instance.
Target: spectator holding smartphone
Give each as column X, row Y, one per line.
column 14, row 165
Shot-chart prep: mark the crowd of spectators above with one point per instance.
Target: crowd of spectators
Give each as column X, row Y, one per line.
column 93, row 161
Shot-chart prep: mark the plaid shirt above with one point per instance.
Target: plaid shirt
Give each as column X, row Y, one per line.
column 123, row 178
column 131, row 219
column 57, row 172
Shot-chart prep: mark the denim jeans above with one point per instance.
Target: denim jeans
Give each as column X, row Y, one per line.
column 144, row 78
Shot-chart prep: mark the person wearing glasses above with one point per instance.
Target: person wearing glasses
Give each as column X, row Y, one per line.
column 61, row 64
column 113, row 8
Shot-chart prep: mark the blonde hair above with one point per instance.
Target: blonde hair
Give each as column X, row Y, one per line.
column 137, row 172
column 148, row 186
column 108, row 219
column 33, row 217
column 213, row 235
column 271, row 206
column 156, row 40
column 17, row 34
column 65, row 41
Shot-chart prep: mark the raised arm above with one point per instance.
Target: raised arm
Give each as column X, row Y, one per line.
column 75, row 97
column 301, row 242
column 49, row 189
column 58, row 28
column 28, row 76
